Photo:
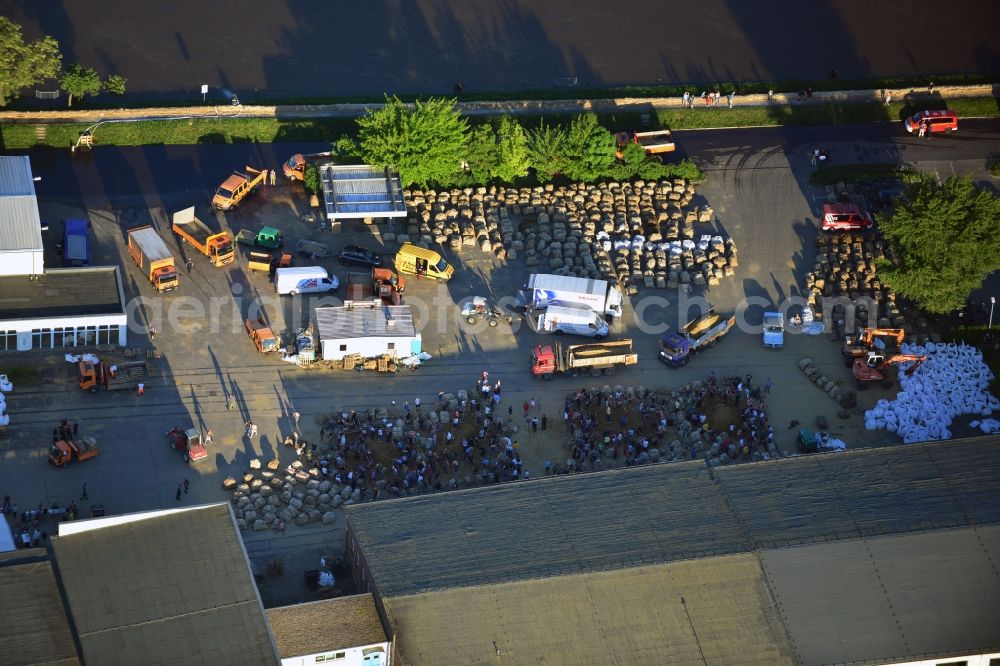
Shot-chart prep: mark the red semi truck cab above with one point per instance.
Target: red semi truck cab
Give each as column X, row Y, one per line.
column 543, row 360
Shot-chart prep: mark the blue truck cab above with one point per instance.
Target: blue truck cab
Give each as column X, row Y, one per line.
column 76, row 243
column 675, row 350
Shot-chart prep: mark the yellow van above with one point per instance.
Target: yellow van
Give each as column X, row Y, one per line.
column 422, row 262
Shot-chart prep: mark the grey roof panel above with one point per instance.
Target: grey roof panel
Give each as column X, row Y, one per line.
column 548, row 527
column 889, row 599
column 20, row 225
column 867, row 492
column 35, row 627
column 62, row 292
column 360, row 321
column 174, row 588
column 358, row 191
column 15, row 176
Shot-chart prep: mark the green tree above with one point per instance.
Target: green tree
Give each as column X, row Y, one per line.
column 311, row 181
column 547, row 151
column 24, row 64
column 512, row 151
column 590, row 149
column 345, row 150
column 482, row 156
column 944, row 237
column 426, row 144
column 80, row 81
column 114, row 84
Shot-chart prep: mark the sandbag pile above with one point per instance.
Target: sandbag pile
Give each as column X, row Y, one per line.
column 845, row 269
column 636, row 234
column 952, row 381
column 845, row 399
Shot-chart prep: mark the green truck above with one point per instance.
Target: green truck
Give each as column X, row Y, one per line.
column 268, row 237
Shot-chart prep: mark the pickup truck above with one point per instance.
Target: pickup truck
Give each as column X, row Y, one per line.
column 268, row 238
column 698, row 334
column 596, row 358
column 237, row 186
column 218, row 247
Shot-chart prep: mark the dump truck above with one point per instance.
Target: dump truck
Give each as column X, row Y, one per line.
column 151, row 255
column 698, row 334
column 268, row 238
column 653, row 142
column 381, row 284
column 93, row 376
column 596, row 358
column 64, row 451
column 218, row 247
column 262, row 336
column 237, row 186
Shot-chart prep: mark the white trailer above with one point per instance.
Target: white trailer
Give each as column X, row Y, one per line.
column 573, row 319
column 304, row 280
column 543, row 290
column 370, row 329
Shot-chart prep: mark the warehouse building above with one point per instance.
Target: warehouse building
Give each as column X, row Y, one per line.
column 366, row 329
column 61, row 308
column 877, row 556
column 20, row 224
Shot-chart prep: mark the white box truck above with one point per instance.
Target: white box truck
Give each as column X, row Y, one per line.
column 293, row 280
column 572, row 318
column 543, row 290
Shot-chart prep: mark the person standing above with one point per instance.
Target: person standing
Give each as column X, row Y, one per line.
column 888, row 97
column 263, row 181
column 152, row 332
column 296, row 416
column 179, row 487
column 534, row 424
column 730, row 97
column 189, row 264
column 274, row 177
column 186, row 485
column 686, row 99
column 140, row 389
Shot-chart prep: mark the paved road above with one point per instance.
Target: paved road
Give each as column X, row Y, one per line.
column 108, row 173
column 344, row 47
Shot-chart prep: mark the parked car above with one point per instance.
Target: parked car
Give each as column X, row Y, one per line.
column 359, row 256
column 845, row 217
column 938, row 122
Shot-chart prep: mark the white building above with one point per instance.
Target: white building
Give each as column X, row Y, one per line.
column 60, row 308
column 20, row 225
column 369, row 329
column 345, row 631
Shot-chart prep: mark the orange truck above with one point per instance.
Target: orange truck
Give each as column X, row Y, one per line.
column 63, row 451
column 237, row 186
column 96, row 375
column 295, row 167
column 218, row 247
column 151, row 255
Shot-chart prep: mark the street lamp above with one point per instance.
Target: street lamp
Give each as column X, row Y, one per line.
column 993, row 300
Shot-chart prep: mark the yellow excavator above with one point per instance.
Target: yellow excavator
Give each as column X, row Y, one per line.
column 858, row 346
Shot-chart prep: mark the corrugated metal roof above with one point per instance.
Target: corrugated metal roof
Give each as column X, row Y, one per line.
column 549, row 527
column 359, row 321
column 20, row 225
column 174, row 588
column 325, row 626
column 35, row 627
column 359, row 191
column 15, row 176
column 890, row 599
column 714, row 611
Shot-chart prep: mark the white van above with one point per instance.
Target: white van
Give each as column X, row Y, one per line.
column 304, row 280
column 571, row 318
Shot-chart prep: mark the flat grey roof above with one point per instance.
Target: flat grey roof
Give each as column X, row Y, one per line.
column 169, row 589
column 899, row 598
column 868, row 492
column 549, row 527
column 20, row 225
column 35, row 627
column 361, row 321
column 325, row 626
column 62, row 292
column 712, row 611
column 359, row 191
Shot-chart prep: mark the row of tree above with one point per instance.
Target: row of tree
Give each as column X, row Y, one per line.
column 25, row 64
column 431, row 143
